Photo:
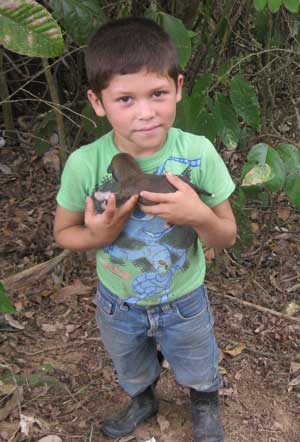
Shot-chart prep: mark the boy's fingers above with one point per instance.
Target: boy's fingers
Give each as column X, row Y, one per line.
column 129, row 205
column 156, row 197
column 176, row 181
column 156, row 209
column 110, row 209
column 89, row 207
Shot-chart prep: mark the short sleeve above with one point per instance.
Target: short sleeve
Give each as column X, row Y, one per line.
column 74, row 186
column 215, row 177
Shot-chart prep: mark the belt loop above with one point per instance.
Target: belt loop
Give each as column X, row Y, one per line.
column 166, row 307
column 123, row 305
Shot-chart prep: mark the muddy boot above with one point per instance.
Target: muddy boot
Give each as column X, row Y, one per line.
column 141, row 407
column 207, row 426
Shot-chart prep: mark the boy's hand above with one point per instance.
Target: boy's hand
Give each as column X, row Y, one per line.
column 109, row 224
column 181, row 207
column 216, row 226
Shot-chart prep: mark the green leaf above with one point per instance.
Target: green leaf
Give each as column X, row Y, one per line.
column 259, row 174
column 192, row 34
column 244, row 238
column 43, row 130
column 93, row 125
column 290, row 156
column 5, row 304
column 245, row 136
column 27, row 28
column 260, row 4
column 227, row 121
column 183, row 113
column 202, row 84
column 178, row 33
column 193, row 116
column 245, row 102
column 293, row 188
column 295, row 25
column 270, row 164
column 261, row 24
column 274, row 5
column 79, row 18
column 47, row 367
column 34, row 381
column 207, row 126
column 225, row 69
column 292, row 5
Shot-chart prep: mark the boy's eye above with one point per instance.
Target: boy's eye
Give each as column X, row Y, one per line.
column 159, row 93
column 124, row 99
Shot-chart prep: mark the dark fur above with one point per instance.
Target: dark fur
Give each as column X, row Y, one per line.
column 132, row 180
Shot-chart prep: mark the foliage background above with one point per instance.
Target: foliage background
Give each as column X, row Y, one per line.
column 240, row 60
column 241, row 65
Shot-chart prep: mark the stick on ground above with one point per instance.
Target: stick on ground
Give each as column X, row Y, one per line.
column 36, row 272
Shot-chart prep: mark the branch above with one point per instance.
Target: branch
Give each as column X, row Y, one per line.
column 36, row 272
column 4, row 93
column 58, row 115
column 254, row 306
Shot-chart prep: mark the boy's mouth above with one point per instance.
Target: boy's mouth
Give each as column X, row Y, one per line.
column 148, row 129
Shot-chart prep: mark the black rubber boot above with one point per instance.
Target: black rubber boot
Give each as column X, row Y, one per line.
column 142, row 407
column 207, row 426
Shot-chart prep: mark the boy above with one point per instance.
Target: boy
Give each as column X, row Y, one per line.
column 150, row 261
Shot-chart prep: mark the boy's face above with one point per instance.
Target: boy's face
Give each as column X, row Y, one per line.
column 141, row 107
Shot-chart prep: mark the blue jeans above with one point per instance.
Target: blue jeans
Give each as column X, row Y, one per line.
column 183, row 329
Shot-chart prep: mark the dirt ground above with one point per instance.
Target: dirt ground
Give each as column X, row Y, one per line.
column 55, row 376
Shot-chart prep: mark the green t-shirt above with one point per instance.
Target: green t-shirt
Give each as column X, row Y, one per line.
column 150, row 262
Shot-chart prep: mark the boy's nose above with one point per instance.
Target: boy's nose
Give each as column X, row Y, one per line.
column 146, row 111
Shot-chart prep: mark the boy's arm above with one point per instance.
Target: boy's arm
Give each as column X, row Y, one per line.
column 218, row 229
column 216, row 226
column 86, row 230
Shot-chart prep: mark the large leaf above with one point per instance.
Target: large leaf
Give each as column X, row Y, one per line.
column 227, row 121
column 93, row 125
column 206, row 125
column 202, row 84
column 193, row 116
column 224, row 70
column 265, row 159
column 261, row 22
column 201, row 121
column 80, row 18
column 244, row 238
column 292, row 5
column 27, row 28
column 259, row 174
column 5, row 304
column 42, row 132
column 290, row 156
column 183, row 113
column 245, row 101
column 260, row 4
column 274, row 5
column 293, row 187
column 177, row 31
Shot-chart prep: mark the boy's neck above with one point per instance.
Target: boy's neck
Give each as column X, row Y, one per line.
column 137, row 151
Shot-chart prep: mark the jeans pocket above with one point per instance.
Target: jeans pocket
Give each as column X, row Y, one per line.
column 106, row 306
column 211, row 316
column 193, row 306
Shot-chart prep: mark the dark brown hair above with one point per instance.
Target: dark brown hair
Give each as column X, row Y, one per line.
column 126, row 46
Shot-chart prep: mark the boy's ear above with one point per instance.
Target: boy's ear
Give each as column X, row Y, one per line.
column 179, row 87
column 96, row 103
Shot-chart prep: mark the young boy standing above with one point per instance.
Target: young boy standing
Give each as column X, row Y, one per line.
column 150, row 260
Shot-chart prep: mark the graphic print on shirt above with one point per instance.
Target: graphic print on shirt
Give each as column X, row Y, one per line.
column 146, row 242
